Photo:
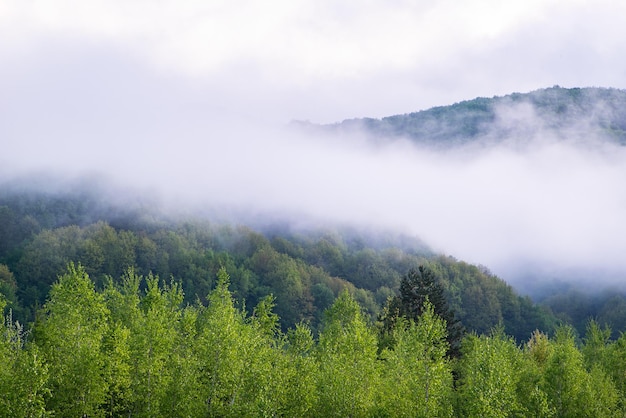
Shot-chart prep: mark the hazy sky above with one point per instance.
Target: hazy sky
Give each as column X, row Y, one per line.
column 190, row 97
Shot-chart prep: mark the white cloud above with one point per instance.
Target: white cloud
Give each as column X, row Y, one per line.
column 327, row 61
column 185, row 95
column 311, row 38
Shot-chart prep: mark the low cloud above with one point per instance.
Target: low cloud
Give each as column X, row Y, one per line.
column 540, row 201
column 152, row 100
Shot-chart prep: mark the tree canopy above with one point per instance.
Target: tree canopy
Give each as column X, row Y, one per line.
column 134, row 348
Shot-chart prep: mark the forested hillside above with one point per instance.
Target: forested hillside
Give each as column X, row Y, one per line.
column 304, row 270
column 124, row 351
column 114, row 306
column 557, row 111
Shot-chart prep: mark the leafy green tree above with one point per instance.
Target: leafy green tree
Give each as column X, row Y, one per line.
column 288, row 279
column 152, row 365
column 8, row 290
column 417, row 373
column 153, row 335
column 183, row 394
column 271, row 378
column 23, row 374
column 8, row 285
column 488, row 370
column 346, row 355
column 116, row 249
column 218, row 348
column 44, row 259
column 530, row 394
column 596, row 345
column 240, row 359
column 614, row 360
column 71, row 332
column 613, row 313
column 301, row 381
column 117, row 370
column 572, row 390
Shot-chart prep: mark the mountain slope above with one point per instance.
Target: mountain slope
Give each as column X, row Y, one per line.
column 558, row 111
column 304, row 269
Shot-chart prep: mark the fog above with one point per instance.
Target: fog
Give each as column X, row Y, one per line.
column 517, row 205
column 154, row 112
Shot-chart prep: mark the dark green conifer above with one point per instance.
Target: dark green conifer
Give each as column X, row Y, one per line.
column 416, row 287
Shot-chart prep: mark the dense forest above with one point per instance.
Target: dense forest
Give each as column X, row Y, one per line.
column 113, row 306
column 557, row 111
column 122, row 311
column 123, row 351
column 304, row 270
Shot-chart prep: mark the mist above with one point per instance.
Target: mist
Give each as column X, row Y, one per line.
column 541, row 204
column 157, row 101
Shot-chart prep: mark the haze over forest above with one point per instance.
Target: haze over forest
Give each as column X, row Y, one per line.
column 528, row 185
column 183, row 104
column 312, row 208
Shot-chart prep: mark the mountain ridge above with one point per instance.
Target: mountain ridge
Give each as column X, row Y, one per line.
column 556, row 110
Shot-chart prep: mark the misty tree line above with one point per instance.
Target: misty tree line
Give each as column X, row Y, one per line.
column 146, row 342
column 559, row 109
column 134, row 348
column 305, row 272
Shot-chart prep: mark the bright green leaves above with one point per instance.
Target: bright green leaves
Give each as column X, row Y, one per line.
column 154, row 330
column 417, row 373
column 117, row 369
column 302, row 372
column 547, row 379
column 71, row 338
column 221, row 350
column 417, row 288
column 133, row 349
column 346, row 356
column 23, row 374
column 489, row 371
column 573, row 390
column 607, row 355
column 244, row 368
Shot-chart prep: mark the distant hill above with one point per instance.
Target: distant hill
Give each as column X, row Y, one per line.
column 47, row 222
column 576, row 113
column 305, row 269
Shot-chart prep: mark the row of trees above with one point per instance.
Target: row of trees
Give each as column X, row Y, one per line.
column 305, row 271
column 559, row 109
column 134, row 348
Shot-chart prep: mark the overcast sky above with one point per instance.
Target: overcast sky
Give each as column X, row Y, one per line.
column 190, row 97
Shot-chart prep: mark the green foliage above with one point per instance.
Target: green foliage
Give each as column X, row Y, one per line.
column 304, row 271
column 8, row 287
column 417, row 374
column 465, row 122
column 113, row 339
column 71, row 337
column 153, row 329
column 532, row 397
column 302, row 374
column 489, row 370
column 244, row 371
column 346, row 356
column 135, row 349
column 576, row 306
column 573, row 390
column 420, row 289
column 23, row 373
column 481, row 301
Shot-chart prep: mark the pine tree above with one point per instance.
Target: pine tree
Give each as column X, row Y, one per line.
column 416, row 288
